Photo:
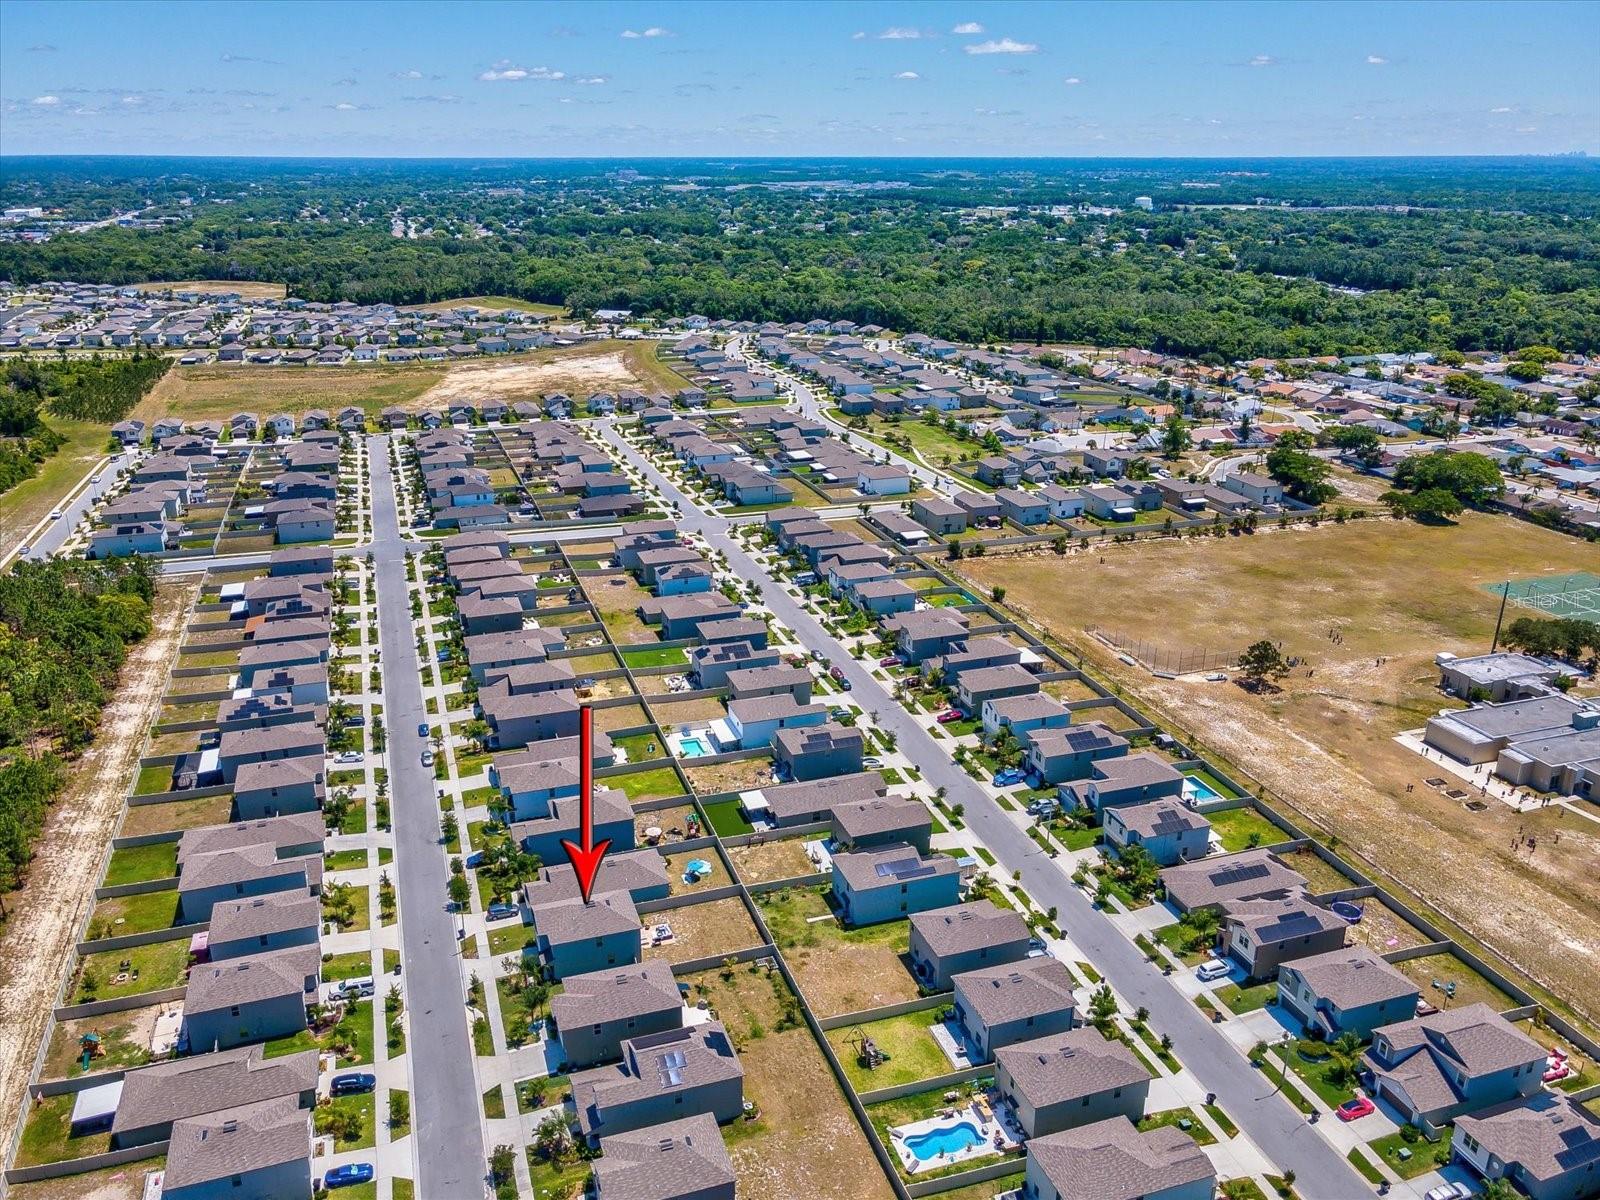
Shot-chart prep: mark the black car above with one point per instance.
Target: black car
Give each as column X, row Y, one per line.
column 352, row 1084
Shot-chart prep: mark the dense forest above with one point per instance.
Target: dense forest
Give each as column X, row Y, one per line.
column 92, row 389
column 65, row 629
column 1237, row 259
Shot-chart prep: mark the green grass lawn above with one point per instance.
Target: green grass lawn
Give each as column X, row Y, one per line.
column 726, row 819
column 986, row 1191
column 1242, row 1000
column 136, row 864
column 640, row 747
column 654, row 656
column 366, row 1109
column 144, row 912
column 47, row 1137
column 151, row 780
column 352, row 1038
column 1362, row 1163
column 510, row 938
column 913, row 1054
column 540, row 1092
column 1176, row 1117
column 1410, row 1159
column 1311, row 1063
column 647, row 785
column 1235, row 827
column 346, row 966
column 1173, row 937
column 557, row 1181
column 494, row 1103
column 1223, row 1122
column 482, row 1038
column 150, row 969
column 344, row 860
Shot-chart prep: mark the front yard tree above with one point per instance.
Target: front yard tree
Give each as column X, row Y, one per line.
column 1175, row 437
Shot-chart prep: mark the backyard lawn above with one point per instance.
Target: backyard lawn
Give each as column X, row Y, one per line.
column 1241, row 828
column 726, row 819
column 911, row 1052
column 654, row 784
column 1434, row 973
column 654, row 656
column 47, row 1137
column 840, row 970
column 137, row 864
column 176, row 815
column 141, row 913
column 150, row 968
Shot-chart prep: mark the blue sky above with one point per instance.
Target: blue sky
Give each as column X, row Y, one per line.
column 797, row 79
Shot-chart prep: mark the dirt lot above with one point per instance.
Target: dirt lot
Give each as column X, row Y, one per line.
column 783, row 859
column 44, row 917
column 704, row 930
column 737, row 776
column 804, row 1131
column 219, row 287
column 1389, row 591
column 112, row 1183
column 219, row 391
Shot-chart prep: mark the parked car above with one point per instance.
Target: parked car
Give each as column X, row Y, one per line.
column 427, row 758
column 502, row 912
column 1354, row 1110
column 348, row 1175
column 839, row 713
column 818, row 656
column 1454, row 1190
column 347, row 756
column 836, row 672
column 872, row 762
column 423, row 730
column 951, row 715
column 806, row 578
column 352, row 1084
column 355, row 989
column 845, row 685
column 1213, row 968
column 1010, row 776
column 892, row 660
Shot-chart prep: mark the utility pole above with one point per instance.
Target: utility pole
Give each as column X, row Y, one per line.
column 1505, row 591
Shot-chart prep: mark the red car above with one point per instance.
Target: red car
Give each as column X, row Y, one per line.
column 894, row 660
column 950, row 716
column 1354, row 1110
column 1557, row 1072
column 836, row 672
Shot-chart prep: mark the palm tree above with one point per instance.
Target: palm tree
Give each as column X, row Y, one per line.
column 1346, row 1049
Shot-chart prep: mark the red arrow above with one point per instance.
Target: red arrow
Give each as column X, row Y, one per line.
column 586, row 858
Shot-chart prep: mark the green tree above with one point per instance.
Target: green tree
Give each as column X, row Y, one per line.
column 1262, row 663
column 1175, row 438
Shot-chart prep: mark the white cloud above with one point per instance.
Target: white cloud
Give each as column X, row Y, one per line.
column 41, row 48
column 1072, row 81
column 133, row 101
column 344, row 106
column 47, row 101
column 1003, row 45
column 908, row 75
column 900, row 33
column 655, row 31
column 967, row 27
column 504, row 72
column 408, row 74
column 1376, row 60
column 592, row 80
column 1502, row 109
column 431, row 99
column 858, row 35
column 1262, row 60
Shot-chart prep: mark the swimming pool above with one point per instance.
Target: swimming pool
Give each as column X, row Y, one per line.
column 1198, row 791
column 693, row 746
column 945, row 1140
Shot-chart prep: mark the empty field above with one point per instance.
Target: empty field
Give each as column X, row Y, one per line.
column 840, row 970
column 768, row 861
column 1392, row 595
column 704, row 930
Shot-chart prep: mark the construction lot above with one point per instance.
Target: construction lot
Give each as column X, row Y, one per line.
column 1365, row 605
column 216, row 392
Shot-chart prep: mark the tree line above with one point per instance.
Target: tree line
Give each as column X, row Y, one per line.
column 65, row 629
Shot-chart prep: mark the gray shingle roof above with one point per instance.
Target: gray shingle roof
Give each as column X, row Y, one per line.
column 1111, row 1160
column 615, row 994
column 664, row 1162
column 1069, row 1066
column 1352, row 977
column 996, row 995
column 206, row 1083
column 963, row 927
column 237, row 1141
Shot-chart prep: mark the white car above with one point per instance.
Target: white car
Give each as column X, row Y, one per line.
column 347, row 756
column 1454, row 1190
column 1212, row 969
column 56, row 514
column 427, row 758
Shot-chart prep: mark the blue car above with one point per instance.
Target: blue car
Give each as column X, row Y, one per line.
column 423, row 730
column 1009, row 776
column 348, row 1175
column 502, row 912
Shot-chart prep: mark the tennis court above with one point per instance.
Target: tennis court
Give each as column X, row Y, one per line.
column 1576, row 594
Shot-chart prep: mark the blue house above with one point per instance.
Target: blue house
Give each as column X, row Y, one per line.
column 574, row 937
column 889, row 882
column 613, row 818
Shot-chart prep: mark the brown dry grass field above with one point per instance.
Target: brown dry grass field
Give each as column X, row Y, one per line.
column 840, row 970
column 218, row 391
column 1394, row 591
column 770, row 861
column 709, row 930
column 804, row 1142
column 220, row 287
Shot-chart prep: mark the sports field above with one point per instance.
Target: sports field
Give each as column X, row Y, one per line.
column 1365, row 606
column 1575, row 595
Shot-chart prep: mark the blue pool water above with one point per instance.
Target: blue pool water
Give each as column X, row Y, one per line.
column 1195, row 788
column 947, row 1139
column 693, row 747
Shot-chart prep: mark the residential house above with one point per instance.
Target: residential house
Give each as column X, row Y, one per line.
column 261, row 924
column 1547, row 1146
column 975, row 687
column 946, row 942
column 1261, row 934
column 1449, row 1063
column 1113, row 1160
column 259, row 1151
column 596, row 1012
column 1072, row 752
column 1024, row 714
column 882, row 821
column 613, row 820
column 663, row 1076
column 887, row 882
column 517, row 719
column 1348, row 990
column 752, row 723
column 251, row 998
column 1258, row 489
column 1128, row 779
column 576, row 937
column 1068, row 1080
column 675, row 1160
column 153, row 1099
column 1234, row 878
column 1023, row 508
column 1013, row 1002
column 817, row 751
column 1168, row 830
column 810, row 802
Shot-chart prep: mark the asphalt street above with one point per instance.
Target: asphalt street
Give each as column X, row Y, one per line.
column 44, row 541
column 448, row 1132
column 1322, row 1173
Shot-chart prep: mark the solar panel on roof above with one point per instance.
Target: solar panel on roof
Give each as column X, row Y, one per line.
column 902, row 868
column 1241, row 873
